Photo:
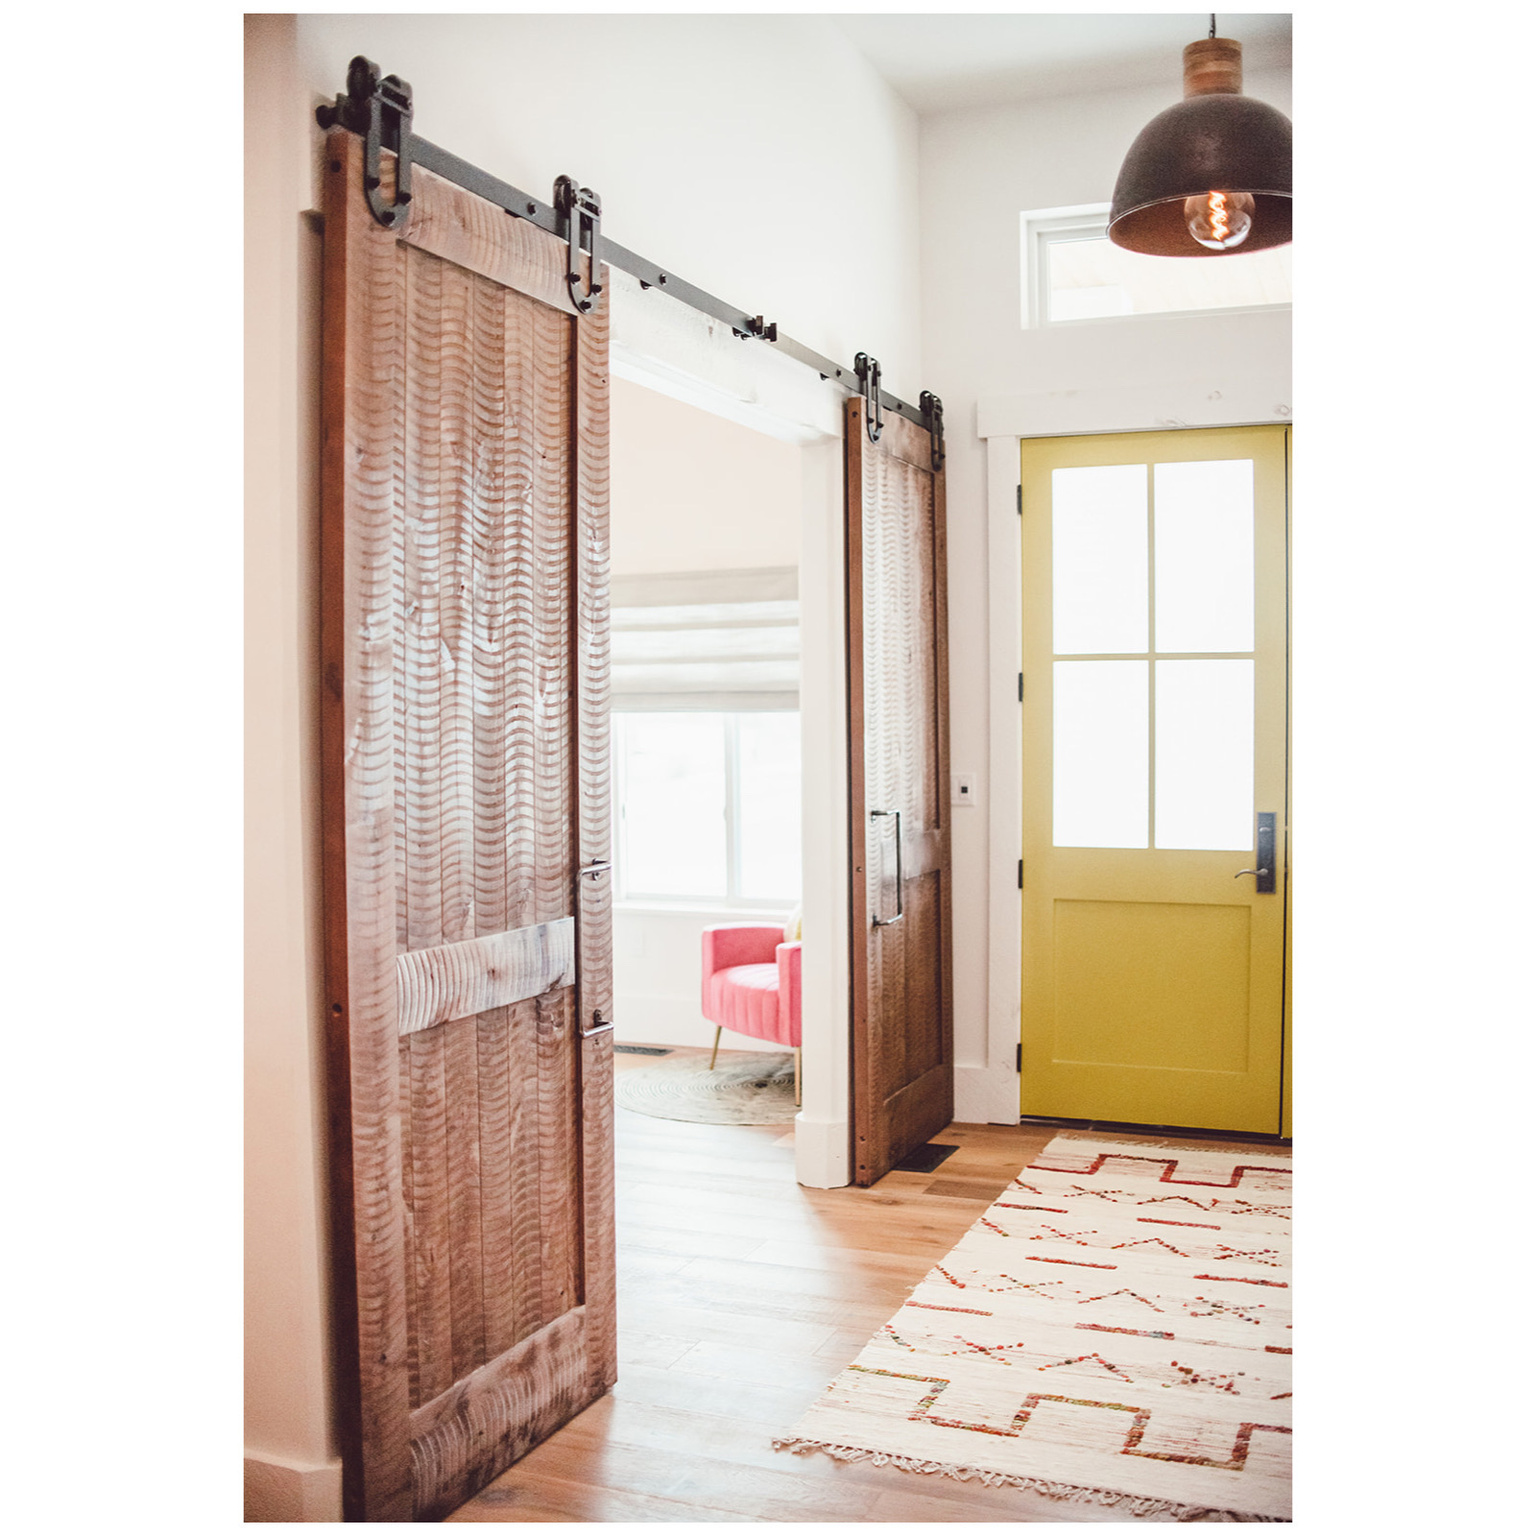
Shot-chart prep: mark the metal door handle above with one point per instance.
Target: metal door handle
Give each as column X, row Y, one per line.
column 1263, row 854
column 886, row 922
column 600, row 1025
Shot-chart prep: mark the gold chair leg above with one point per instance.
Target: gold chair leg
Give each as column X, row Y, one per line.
column 797, row 1074
column 716, row 1051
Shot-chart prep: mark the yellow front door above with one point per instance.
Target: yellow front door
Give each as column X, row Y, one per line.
column 1155, row 710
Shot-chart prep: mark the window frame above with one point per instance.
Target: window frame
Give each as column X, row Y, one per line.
column 732, row 900
column 1040, row 228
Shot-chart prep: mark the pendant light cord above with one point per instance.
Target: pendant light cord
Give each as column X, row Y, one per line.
column 1213, row 23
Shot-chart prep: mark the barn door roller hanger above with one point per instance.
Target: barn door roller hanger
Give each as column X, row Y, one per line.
column 378, row 107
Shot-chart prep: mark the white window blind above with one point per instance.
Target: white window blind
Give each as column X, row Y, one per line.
column 707, row 640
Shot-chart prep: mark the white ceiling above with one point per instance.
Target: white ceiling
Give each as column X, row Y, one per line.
column 937, row 62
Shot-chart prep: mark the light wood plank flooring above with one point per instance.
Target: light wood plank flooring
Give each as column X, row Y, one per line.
column 741, row 1295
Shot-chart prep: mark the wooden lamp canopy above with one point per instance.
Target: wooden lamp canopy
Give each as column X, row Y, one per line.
column 1215, row 144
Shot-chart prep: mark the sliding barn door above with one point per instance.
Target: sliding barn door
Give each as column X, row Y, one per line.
column 898, row 714
column 464, row 642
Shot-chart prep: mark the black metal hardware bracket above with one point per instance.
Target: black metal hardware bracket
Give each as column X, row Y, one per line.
column 387, row 102
column 379, row 111
column 868, row 370
column 933, row 410
column 582, row 210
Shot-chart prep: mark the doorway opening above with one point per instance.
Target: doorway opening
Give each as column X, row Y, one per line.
column 707, row 765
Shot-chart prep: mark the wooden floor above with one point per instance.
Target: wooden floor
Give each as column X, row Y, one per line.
column 741, row 1295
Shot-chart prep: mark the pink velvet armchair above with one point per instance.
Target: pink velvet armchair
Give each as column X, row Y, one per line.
column 752, row 986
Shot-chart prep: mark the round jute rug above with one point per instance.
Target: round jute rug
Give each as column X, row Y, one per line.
column 746, row 1088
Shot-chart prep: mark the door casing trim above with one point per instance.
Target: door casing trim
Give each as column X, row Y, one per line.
column 989, row 1092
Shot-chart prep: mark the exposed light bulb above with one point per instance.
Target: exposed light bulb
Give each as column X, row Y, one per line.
column 1219, row 220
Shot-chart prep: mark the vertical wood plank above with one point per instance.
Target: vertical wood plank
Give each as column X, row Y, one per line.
column 408, row 1192
column 363, row 343
column 942, row 807
column 525, row 635
column 431, row 772
column 419, row 688
column 461, row 584
column 523, row 1130
column 493, row 1033
column 594, row 1056
column 508, row 1064
column 558, row 1192
column 550, row 424
column 860, row 874
column 466, row 1272
column 480, row 738
column 430, row 1189
column 495, row 705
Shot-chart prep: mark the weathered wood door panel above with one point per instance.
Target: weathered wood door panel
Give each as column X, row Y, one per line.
column 464, row 719
column 898, row 708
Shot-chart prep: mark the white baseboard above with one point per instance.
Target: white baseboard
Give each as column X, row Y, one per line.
column 821, row 1152
column 986, row 1095
column 277, row 1489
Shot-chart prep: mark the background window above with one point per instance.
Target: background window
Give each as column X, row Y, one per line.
column 708, row 806
column 1072, row 272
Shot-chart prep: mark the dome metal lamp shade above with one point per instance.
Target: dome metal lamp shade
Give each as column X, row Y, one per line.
column 1216, row 148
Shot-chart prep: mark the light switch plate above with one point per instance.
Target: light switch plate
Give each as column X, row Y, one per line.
column 963, row 789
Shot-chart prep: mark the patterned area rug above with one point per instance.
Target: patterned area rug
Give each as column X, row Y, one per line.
column 746, row 1087
column 1116, row 1329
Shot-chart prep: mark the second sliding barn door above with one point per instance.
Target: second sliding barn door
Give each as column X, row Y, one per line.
column 898, row 803
column 464, row 720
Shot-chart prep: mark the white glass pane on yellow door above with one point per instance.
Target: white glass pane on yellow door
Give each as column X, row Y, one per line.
column 674, row 804
column 1203, row 553
column 1099, row 559
column 1205, row 754
column 1099, row 773
column 769, row 806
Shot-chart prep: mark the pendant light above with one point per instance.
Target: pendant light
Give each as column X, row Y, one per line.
column 1212, row 175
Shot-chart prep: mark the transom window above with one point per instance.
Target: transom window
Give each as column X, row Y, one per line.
column 1073, row 272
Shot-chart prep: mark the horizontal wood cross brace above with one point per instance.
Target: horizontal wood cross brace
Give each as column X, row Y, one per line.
column 454, row 981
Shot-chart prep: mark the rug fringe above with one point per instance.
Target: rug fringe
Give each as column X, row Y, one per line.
column 1134, row 1504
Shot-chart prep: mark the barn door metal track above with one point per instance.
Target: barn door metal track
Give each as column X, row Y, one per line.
column 379, row 107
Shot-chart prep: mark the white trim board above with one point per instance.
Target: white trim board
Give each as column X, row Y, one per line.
column 679, row 352
column 990, row 1093
column 1148, row 373
column 278, row 1489
column 823, row 1129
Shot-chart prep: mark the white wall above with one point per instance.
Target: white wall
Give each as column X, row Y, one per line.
column 764, row 158
column 981, row 168
column 691, row 491
column 291, row 1472
column 760, row 155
